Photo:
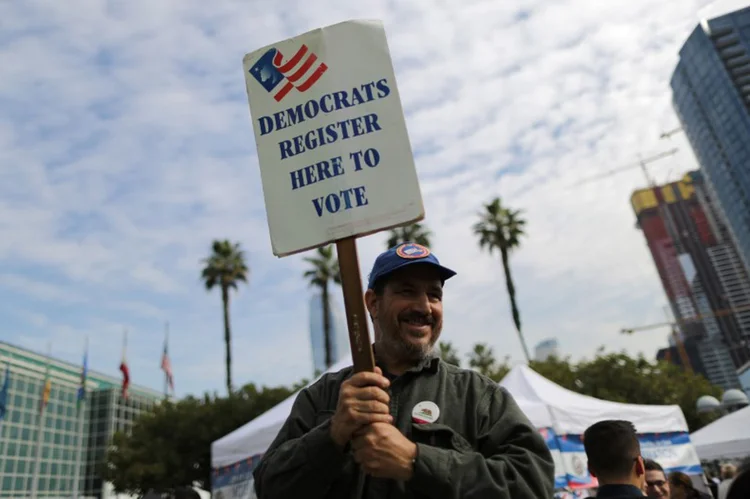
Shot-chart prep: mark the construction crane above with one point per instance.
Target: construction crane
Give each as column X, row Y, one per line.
column 682, row 352
column 680, row 322
column 664, row 216
column 667, row 135
column 640, row 164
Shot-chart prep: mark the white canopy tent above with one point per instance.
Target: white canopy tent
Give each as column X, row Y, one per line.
column 727, row 437
column 568, row 413
column 545, row 403
column 256, row 436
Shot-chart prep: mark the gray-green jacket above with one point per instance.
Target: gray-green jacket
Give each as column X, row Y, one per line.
column 481, row 446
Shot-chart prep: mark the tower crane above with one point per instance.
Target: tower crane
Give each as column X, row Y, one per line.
column 667, row 135
column 640, row 164
column 679, row 322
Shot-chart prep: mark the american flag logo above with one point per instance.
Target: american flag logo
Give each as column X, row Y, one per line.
column 279, row 78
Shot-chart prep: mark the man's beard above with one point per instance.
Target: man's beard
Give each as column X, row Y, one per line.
column 393, row 345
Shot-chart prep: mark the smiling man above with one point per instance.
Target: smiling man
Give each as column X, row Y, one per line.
column 417, row 427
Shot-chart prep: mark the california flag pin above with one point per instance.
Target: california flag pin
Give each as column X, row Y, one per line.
column 425, row 412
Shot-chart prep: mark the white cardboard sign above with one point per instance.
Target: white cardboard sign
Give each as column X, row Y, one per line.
column 334, row 153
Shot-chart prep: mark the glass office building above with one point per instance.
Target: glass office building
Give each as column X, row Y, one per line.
column 104, row 412
column 711, row 95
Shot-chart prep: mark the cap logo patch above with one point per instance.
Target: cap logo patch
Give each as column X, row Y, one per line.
column 412, row 250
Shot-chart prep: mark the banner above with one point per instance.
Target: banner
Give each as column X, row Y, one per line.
column 673, row 451
column 235, row 481
column 550, row 438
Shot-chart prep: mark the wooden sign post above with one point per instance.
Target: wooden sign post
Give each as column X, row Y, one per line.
column 333, row 150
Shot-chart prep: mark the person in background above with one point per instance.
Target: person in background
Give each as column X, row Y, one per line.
column 186, row 493
column 614, row 456
column 740, row 486
column 657, row 485
column 728, row 471
column 681, row 487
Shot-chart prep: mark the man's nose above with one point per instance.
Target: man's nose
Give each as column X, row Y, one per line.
column 422, row 303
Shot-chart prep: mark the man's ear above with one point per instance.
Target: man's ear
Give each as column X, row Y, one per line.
column 591, row 471
column 371, row 302
column 640, row 467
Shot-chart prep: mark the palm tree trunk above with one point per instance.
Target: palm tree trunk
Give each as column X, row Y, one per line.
column 227, row 337
column 327, row 324
column 513, row 305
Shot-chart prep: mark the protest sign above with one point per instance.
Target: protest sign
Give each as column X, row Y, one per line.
column 333, row 149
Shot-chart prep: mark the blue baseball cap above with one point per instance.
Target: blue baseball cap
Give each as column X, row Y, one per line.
column 402, row 255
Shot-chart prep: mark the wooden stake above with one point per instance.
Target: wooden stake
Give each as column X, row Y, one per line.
column 354, row 303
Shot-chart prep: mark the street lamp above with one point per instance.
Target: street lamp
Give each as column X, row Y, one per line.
column 731, row 401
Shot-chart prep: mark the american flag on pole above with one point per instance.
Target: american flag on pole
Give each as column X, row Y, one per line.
column 166, row 366
column 279, row 78
column 124, row 366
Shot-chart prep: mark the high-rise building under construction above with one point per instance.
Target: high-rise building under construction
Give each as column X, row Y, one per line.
column 706, row 284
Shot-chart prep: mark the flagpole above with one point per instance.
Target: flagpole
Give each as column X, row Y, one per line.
column 81, row 411
column 3, row 443
column 40, row 431
column 166, row 377
column 124, row 367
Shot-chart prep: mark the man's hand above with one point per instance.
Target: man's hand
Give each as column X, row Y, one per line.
column 384, row 452
column 362, row 400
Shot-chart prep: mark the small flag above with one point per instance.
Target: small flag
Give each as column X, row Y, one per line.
column 124, row 368
column 301, row 71
column 4, row 393
column 45, row 391
column 166, row 366
column 84, row 373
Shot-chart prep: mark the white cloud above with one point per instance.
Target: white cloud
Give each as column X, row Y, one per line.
column 126, row 146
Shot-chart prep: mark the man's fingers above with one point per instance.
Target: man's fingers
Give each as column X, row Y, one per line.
column 365, row 378
column 372, row 393
column 366, row 418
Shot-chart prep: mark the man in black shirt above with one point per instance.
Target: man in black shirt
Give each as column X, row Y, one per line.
column 614, row 456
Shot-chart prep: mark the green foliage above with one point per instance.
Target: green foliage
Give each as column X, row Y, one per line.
column 324, row 269
column 616, row 377
column 225, row 268
column 449, row 353
column 170, row 446
column 482, row 359
column 500, row 229
column 414, row 233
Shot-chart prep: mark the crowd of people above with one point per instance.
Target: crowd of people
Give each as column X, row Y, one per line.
column 614, row 458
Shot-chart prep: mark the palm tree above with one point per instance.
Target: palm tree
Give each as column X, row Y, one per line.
column 325, row 268
column 414, row 233
column 225, row 268
column 501, row 228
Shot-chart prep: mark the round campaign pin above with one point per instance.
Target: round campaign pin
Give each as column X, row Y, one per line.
column 425, row 412
column 412, row 250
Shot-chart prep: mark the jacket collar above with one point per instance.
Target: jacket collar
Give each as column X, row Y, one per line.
column 429, row 364
column 617, row 490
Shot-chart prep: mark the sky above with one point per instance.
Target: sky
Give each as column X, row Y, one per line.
column 126, row 147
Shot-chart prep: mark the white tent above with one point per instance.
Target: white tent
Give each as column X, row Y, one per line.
column 727, row 437
column 545, row 403
column 568, row 413
column 256, row 436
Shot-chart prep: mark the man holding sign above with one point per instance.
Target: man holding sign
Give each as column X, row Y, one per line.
column 336, row 164
column 418, row 427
